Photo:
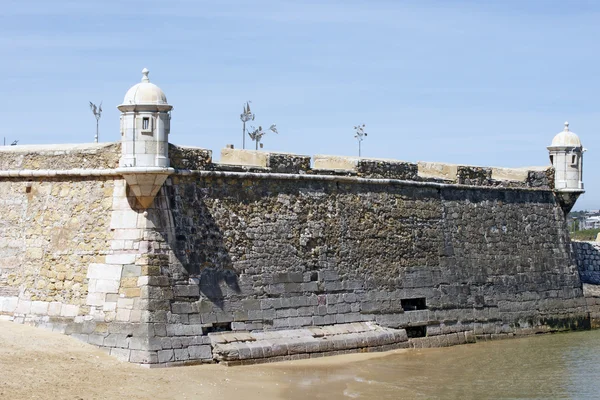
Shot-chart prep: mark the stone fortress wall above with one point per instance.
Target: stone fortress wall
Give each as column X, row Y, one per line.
column 265, row 257
column 587, row 256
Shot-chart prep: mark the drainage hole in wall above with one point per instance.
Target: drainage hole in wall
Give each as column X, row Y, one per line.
column 416, row 331
column 413, row 304
column 218, row 327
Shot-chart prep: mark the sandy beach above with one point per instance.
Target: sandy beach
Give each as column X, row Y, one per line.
column 37, row 364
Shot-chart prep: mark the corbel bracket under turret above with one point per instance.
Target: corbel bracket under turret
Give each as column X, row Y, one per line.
column 567, row 198
column 145, row 182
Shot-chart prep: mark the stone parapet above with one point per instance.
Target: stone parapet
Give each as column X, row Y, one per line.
column 252, row 158
column 185, row 157
column 102, row 160
column 437, row 171
column 366, row 167
column 60, row 156
column 269, row 161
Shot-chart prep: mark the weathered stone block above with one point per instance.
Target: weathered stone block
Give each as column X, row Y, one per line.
column 181, row 354
column 143, row 357
column 181, row 308
column 116, row 340
column 165, row 356
column 39, row 307
column 121, row 354
column 69, row 310
column 120, row 258
column 23, row 307
column 200, row 352
column 251, row 304
column 186, row 291
column 104, row 271
column 107, row 286
column 97, row 340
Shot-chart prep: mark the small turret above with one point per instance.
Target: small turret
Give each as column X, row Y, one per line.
column 566, row 156
column 145, row 126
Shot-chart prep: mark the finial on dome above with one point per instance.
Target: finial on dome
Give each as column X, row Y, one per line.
column 566, row 126
column 145, row 72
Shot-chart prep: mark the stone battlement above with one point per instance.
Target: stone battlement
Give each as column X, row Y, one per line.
column 376, row 168
column 105, row 156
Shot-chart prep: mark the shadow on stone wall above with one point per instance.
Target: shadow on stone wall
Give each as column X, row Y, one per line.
column 211, row 280
column 199, row 245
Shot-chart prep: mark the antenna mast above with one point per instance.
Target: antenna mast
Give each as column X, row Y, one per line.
column 97, row 111
column 360, row 136
column 245, row 117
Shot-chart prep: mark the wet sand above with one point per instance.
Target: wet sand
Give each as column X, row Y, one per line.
column 37, row 364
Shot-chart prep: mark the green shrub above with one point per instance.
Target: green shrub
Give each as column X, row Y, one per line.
column 586, row 234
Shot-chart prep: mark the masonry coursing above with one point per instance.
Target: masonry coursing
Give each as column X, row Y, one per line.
column 51, row 232
column 265, row 251
column 329, row 253
column 587, row 256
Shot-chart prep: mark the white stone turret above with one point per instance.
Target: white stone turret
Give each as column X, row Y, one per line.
column 566, row 156
column 145, row 126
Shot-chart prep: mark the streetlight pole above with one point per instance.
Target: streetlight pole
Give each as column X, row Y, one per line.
column 97, row 128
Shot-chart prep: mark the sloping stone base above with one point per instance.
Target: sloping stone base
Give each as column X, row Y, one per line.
column 233, row 348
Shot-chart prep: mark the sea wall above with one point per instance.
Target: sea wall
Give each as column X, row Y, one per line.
column 280, row 254
column 274, row 258
column 587, row 256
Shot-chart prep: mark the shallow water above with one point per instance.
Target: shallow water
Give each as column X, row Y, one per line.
column 558, row 366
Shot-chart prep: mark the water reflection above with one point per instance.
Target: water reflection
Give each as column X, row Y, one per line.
column 560, row 366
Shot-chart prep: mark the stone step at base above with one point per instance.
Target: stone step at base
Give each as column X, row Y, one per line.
column 250, row 347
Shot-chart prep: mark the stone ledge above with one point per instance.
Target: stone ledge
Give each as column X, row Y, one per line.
column 286, row 344
column 304, row 356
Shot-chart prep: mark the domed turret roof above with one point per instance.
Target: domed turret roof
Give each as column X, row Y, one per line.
column 145, row 93
column 566, row 138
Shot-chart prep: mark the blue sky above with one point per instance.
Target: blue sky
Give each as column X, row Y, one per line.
column 471, row 82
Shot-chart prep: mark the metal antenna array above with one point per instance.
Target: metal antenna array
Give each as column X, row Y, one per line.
column 97, row 113
column 245, row 117
column 256, row 134
column 360, row 135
